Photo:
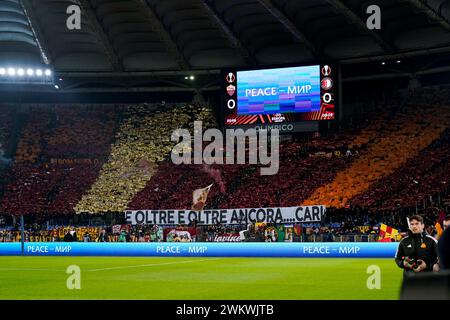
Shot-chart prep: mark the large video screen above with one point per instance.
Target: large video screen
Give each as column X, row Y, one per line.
column 279, row 95
column 274, row 91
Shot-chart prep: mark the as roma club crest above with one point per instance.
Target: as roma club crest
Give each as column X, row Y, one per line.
column 231, row 90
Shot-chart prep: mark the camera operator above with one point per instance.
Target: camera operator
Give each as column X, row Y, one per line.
column 446, row 223
column 418, row 251
column 444, row 250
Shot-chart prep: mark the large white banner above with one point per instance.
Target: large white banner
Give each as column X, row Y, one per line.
column 304, row 214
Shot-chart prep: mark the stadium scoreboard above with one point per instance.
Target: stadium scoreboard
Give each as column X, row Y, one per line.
column 289, row 98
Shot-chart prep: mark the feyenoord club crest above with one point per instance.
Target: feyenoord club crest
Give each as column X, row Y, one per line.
column 326, row 70
column 231, row 90
column 230, row 77
column 326, row 83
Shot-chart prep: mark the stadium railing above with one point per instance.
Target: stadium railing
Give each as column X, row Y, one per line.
column 342, row 238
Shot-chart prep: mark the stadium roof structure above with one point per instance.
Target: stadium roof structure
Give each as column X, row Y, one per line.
column 137, row 39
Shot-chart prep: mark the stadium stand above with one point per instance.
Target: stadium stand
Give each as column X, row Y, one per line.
column 402, row 139
column 29, row 146
column 142, row 141
column 54, row 164
column 6, row 124
column 99, row 160
column 424, row 175
column 80, row 133
column 351, row 96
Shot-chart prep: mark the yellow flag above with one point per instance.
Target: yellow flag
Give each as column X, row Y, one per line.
column 438, row 229
column 388, row 232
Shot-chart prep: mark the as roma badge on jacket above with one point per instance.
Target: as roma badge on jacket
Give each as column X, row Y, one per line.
column 423, row 246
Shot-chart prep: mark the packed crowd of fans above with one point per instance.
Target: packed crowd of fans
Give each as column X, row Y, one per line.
column 340, row 225
column 314, row 171
column 6, row 129
column 53, row 166
column 220, row 233
column 142, row 142
column 6, row 122
column 29, row 146
column 6, row 126
column 298, row 176
column 304, row 166
column 98, row 160
column 402, row 139
column 79, row 133
column 422, row 176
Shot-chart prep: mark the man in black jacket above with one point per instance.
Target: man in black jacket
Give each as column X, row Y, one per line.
column 437, row 267
column 418, row 251
column 68, row 237
column 444, row 249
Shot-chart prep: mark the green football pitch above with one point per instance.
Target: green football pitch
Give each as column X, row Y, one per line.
column 167, row 278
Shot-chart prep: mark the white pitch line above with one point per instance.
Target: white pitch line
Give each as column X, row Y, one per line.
column 153, row 264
